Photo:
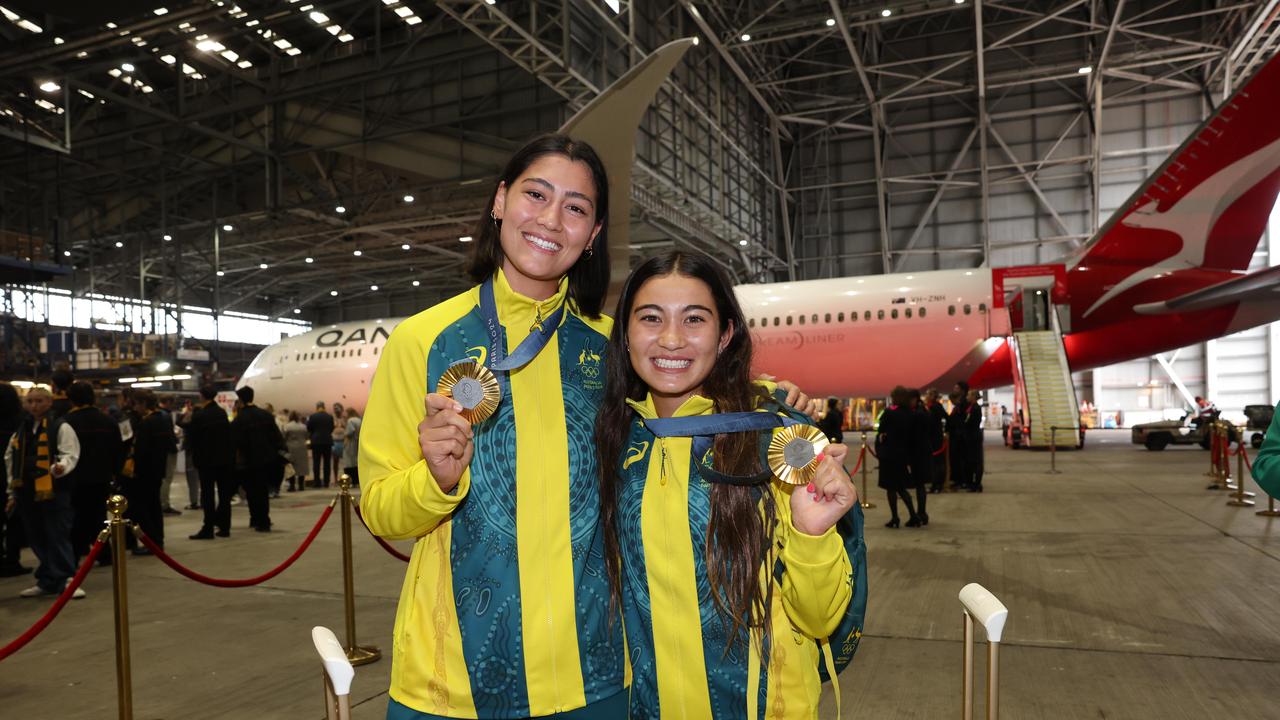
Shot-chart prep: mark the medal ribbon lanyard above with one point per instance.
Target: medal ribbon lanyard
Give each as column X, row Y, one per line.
column 704, row 428
column 527, row 350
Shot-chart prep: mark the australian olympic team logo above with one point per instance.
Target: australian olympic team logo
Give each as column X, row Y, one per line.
column 589, row 363
column 478, row 353
column 589, row 368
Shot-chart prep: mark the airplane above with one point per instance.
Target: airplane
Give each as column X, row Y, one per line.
column 1168, row 269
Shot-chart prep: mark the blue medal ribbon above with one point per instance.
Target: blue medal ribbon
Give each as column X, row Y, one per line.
column 499, row 361
column 704, row 428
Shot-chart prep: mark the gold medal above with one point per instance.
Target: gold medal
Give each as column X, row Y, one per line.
column 793, row 453
column 474, row 387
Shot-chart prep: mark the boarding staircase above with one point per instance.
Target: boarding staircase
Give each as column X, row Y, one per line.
column 1044, row 389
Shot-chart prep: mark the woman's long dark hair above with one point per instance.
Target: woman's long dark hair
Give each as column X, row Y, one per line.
column 589, row 276
column 738, row 537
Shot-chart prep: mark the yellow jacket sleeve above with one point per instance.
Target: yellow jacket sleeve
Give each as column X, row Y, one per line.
column 815, row 584
column 400, row 499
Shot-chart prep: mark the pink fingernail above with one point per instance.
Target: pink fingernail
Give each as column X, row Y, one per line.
column 809, row 487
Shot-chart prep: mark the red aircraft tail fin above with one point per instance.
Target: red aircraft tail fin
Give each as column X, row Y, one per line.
column 1206, row 206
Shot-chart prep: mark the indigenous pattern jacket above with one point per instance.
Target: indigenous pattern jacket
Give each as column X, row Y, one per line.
column 504, row 611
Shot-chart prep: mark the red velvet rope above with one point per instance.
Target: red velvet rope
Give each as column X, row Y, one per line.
column 1244, row 451
column 873, row 452
column 385, row 545
column 54, row 609
column 942, row 449
column 192, row 574
column 861, row 454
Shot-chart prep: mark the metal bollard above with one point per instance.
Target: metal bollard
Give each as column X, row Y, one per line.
column 978, row 603
column 1241, row 497
column 337, row 674
column 1053, row 452
column 1213, row 457
column 118, row 529
column 1224, row 456
column 358, row 655
column 866, row 460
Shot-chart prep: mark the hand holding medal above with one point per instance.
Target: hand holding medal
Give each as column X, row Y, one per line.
column 446, row 440
column 829, row 493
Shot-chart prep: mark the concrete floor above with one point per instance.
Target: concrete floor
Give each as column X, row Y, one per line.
column 1133, row 593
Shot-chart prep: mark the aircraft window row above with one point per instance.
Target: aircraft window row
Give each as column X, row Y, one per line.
column 893, row 314
column 329, row 354
column 776, row 320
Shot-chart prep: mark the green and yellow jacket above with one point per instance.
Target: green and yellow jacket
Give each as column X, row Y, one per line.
column 1266, row 466
column 676, row 638
column 504, row 611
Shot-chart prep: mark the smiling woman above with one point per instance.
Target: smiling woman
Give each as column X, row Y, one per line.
column 502, row 615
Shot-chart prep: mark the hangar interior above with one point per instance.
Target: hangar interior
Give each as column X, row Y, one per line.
column 210, row 176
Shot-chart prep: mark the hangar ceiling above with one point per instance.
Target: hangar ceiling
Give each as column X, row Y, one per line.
column 130, row 123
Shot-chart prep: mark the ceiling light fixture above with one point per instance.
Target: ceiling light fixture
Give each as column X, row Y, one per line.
column 263, row 266
column 127, row 67
column 416, row 283
column 408, row 198
column 228, row 228
column 357, row 253
column 405, row 246
column 465, row 238
column 167, row 237
column 50, row 86
column 310, row 260
column 374, row 288
column 746, row 37
column 886, row 12
column 119, row 244
column 831, row 22
column 220, row 273
column 333, row 293
column 340, row 209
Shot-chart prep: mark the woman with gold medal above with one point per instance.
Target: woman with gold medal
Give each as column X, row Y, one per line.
column 505, row 611
column 722, row 505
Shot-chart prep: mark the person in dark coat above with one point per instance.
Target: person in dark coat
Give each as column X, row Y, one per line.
column 320, row 427
column 921, row 459
column 938, row 430
column 974, row 455
column 61, row 380
column 893, row 448
column 957, row 437
column 208, row 434
column 260, row 456
column 101, row 453
column 153, row 440
column 832, row 423
column 12, row 537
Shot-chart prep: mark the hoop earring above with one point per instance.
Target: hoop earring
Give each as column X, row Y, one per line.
column 588, row 251
column 494, row 217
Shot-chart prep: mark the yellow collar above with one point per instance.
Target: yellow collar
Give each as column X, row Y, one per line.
column 513, row 305
column 695, row 405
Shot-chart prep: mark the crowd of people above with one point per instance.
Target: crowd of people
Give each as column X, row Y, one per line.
column 918, row 440
column 65, row 455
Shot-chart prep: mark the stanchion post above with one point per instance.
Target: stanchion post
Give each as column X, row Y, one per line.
column 1053, row 452
column 1271, row 510
column 1241, row 497
column 358, row 655
column 866, row 460
column 966, row 687
column 118, row 528
column 946, row 456
column 1213, row 455
column 1224, row 455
